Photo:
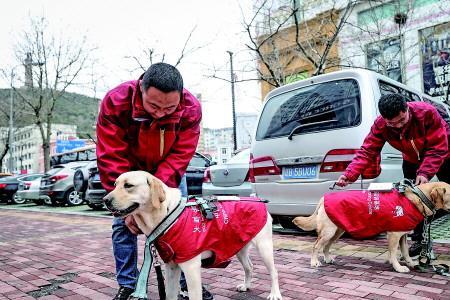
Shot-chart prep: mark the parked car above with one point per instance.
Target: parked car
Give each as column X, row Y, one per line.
column 309, row 131
column 57, row 184
column 87, row 182
column 29, row 188
column 5, row 175
column 231, row 178
column 9, row 186
column 195, row 172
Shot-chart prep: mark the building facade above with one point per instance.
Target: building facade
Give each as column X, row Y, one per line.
column 407, row 40
column 27, row 154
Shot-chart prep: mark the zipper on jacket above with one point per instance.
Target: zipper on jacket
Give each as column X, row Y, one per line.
column 161, row 141
column 415, row 149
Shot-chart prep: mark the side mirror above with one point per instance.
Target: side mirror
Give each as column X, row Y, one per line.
column 213, row 163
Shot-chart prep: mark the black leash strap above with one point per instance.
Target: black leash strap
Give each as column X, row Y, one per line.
column 159, row 274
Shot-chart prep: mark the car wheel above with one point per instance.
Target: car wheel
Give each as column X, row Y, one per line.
column 38, row 201
column 96, row 206
column 17, row 199
column 286, row 222
column 49, row 201
column 73, row 198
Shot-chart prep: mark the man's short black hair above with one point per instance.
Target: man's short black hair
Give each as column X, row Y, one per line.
column 164, row 77
column 391, row 105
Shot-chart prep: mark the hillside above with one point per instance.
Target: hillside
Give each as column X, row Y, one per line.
column 72, row 109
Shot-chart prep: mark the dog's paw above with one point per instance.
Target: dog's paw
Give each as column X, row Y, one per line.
column 412, row 263
column 402, row 269
column 315, row 263
column 242, row 287
column 329, row 260
column 274, row 296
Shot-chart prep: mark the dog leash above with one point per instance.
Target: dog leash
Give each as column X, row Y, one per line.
column 426, row 243
column 140, row 291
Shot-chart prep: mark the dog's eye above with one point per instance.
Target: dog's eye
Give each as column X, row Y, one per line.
column 128, row 186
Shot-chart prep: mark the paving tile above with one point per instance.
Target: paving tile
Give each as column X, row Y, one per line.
column 37, row 256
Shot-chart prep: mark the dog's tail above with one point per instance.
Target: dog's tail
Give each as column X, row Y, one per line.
column 308, row 223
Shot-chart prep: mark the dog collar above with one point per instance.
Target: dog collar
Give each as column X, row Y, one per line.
column 406, row 183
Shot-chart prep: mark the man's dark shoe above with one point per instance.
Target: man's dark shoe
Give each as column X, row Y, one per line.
column 206, row 295
column 123, row 293
column 415, row 249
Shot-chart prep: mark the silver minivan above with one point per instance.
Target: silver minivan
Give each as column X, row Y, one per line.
column 309, row 131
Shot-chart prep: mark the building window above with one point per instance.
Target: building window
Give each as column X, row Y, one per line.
column 385, row 57
column 224, row 150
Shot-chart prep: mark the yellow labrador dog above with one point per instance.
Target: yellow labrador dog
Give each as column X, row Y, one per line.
column 149, row 200
column 328, row 232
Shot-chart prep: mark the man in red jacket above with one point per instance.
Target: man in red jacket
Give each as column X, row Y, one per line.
column 150, row 124
column 418, row 131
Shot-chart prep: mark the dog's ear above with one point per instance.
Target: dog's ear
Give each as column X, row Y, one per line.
column 437, row 196
column 157, row 193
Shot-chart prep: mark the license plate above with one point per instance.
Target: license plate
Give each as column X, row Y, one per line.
column 300, row 172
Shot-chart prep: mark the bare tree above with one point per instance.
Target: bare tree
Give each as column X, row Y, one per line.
column 150, row 55
column 379, row 40
column 53, row 64
column 287, row 44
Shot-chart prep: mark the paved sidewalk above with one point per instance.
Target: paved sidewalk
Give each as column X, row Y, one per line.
column 62, row 256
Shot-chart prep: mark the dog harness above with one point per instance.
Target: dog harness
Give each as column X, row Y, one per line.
column 233, row 225
column 364, row 214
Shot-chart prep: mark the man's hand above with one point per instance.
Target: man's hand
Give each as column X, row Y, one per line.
column 342, row 181
column 132, row 226
column 421, row 179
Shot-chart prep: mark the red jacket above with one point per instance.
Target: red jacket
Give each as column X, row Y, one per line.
column 129, row 139
column 234, row 224
column 364, row 214
column 423, row 141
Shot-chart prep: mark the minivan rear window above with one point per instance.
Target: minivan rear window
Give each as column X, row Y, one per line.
column 323, row 106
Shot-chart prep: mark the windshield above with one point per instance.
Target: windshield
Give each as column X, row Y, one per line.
column 322, row 106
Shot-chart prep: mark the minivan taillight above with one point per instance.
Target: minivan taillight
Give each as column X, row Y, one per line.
column 262, row 166
column 58, row 177
column 2, row 185
column 337, row 160
column 207, row 175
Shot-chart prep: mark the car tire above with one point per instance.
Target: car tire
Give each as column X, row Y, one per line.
column 96, row 206
column 49, row 201
column 38, row 201
column 16, row 199
column 73, row 198
column 286, row 223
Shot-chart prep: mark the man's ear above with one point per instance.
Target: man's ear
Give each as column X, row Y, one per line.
column 437, row 196
column 157, row 194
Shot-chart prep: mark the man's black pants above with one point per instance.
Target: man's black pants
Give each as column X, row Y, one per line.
column 409, row 172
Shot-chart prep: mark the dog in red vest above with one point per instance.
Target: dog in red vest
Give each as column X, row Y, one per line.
column 365, row 214
column 192, row 241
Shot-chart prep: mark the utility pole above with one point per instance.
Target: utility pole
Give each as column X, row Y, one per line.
column 11, row 104
column 233, row 100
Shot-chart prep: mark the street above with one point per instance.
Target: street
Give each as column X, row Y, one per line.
column 68, row 256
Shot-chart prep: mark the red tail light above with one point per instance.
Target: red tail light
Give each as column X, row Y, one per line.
column 2, row 185
column 262, row 166
column 58, row 177
column 207, row 175
column 337, row 160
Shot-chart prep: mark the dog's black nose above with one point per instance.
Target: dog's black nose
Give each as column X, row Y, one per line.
column 107, row 199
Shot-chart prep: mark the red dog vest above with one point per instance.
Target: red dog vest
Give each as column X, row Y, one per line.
column 234, row 224
column 364, row 214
